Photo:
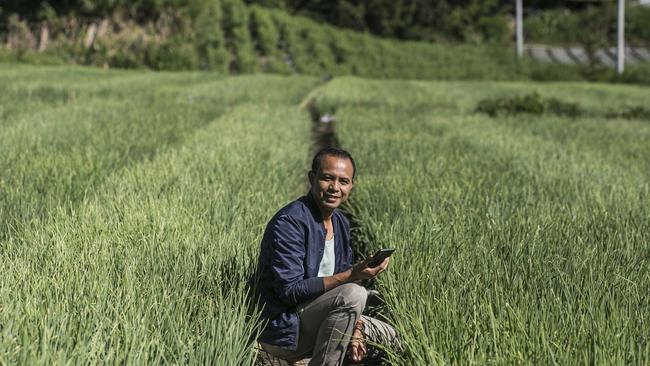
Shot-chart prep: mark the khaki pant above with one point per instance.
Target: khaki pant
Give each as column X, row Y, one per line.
column 327, row 323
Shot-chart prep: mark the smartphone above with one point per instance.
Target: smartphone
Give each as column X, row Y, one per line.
column 379, row 257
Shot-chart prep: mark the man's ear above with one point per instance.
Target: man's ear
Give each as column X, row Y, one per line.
column 310, row 176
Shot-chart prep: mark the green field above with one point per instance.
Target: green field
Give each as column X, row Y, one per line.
column 132, row 205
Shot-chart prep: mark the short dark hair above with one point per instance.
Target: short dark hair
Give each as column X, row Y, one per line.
column 332, row 151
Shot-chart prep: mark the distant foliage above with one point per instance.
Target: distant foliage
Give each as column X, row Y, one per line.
column 235, row 23
column 535, row 104
column 292, row 33
column 267, row 42
column 591, row 25
column 637, row 112
column 637, row 25
column 530, row 104
column 232, row 37
column 208, row 36
column 469, row 20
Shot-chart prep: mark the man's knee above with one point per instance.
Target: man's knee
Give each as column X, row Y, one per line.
column 353, row 295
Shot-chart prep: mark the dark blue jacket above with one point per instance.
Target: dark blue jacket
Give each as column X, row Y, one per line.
column 292, row 248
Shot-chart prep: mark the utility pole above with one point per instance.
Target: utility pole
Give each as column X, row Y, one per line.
column 519, row 25
column 620, row 64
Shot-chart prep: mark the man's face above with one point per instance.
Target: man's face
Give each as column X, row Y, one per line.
column 332, row 183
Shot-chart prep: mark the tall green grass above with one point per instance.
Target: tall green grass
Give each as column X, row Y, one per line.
column 521, row 240
column 132, row 204
column 132, row 212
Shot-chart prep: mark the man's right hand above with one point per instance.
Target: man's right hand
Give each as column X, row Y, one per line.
column 358, row 272
column 361, row 271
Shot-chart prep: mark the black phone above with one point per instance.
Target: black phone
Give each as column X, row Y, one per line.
column 380, row 256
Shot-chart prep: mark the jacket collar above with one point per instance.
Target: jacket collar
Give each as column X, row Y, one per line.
column 313, row 207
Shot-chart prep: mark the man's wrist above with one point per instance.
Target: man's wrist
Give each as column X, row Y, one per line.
column 337, row 279
column 343, row 277
column 347, row 276
column 350, row 276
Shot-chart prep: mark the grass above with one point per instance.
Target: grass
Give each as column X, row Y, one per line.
column 521, row 240
column 132, row 205
column 134, row 212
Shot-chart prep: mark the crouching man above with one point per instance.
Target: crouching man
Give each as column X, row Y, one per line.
column 311, row 304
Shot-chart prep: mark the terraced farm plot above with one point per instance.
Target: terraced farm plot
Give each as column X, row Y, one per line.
column 521, row 240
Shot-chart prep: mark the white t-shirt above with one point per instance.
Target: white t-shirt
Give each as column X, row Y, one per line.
column 326, row 267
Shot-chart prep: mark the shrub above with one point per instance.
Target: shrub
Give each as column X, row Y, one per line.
column 19, row 36
column 174, row 54
column 636, row 26
column 566, row 27
column 552, row 26
column 235, row 24
column 495, row 29
column 560, row 108
column 266, row 39
column 637, row 112
column 318, row 41
column 540, row 71
column 340, row 48
column 208, row 37
column 530, row 104
column 293, row 32
column 638, row 74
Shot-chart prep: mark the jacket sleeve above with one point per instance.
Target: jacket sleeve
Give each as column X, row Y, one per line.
column 287, row 258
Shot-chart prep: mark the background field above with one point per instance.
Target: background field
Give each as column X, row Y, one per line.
column 132, row 204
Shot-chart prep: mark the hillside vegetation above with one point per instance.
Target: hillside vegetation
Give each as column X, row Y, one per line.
column 231, row 37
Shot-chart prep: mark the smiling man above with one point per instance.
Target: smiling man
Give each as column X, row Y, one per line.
column 311, row 303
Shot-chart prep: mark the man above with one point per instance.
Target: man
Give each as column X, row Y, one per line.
column 311, row 303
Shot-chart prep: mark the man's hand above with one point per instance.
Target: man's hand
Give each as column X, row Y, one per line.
column 359, row 272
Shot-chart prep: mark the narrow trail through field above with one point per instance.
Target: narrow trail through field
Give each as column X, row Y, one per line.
column 324, row 135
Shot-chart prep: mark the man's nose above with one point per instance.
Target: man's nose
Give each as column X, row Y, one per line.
column 334, row 185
